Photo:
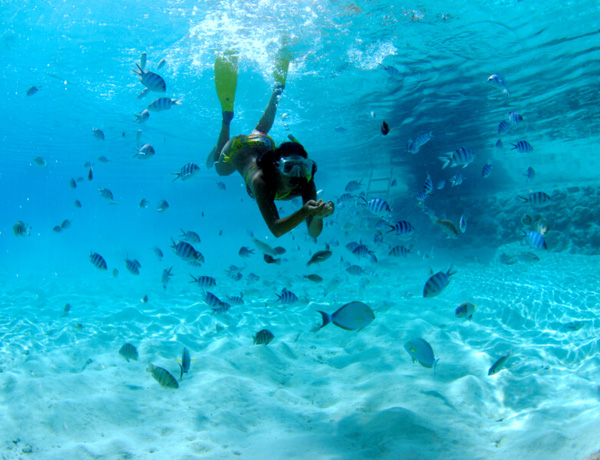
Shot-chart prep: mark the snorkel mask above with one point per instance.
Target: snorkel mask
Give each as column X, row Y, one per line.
column 296, row 167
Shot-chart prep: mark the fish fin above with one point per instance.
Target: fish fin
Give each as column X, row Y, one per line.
column 525, row 200
column 451, row 270
column 181, row 375
column 435, row 365
column 470, row 317
column 177, row 175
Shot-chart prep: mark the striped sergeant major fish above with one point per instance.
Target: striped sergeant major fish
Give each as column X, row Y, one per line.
column 163, row 103
column 236, row 299
column 437, row 282
column 98, row 261
column 98, row 134
column 463, row 156
column 145, row 152
column 162, row 376
column 187, row 172
column 263, row 337
column 499, row 81
column 190, row 236
column 105, row 193
column 515, row 117
column 420, row 141
column 184, row 250
column 504, row 127
column 402, row 228
column 536, row 198
column 133, row 266
column 486, row 171
column 142, row 117
column 535, row 239
column 401, row 251
column 392, row 71
column 162, row 206
column 352, row 186
column 522, row 146
column 287, row 297
column 128, row 351
column 21, row 229
column 457, row 179
column 211, row 300
column 428, row 185
column 204, row 281
column 150, row 80
column 377, row 206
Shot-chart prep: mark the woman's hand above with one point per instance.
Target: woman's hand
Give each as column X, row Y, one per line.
column 319, row 209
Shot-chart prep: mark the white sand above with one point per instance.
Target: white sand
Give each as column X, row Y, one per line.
column 332, row 394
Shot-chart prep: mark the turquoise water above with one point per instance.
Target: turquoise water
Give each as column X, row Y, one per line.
column 332, row 394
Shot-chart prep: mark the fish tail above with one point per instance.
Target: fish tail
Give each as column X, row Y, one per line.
column 446, row 161
column 177, row 176
column 181, row 375
column 451, row 270
column 178, row 101
column 525, row 200
column 326, row 318
column 140, row 71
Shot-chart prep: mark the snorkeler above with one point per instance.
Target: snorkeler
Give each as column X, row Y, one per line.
column 270, row 173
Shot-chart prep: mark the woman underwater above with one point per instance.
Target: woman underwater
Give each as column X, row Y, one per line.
column 271, row 173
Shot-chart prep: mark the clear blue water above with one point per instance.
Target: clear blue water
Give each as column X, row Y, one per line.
column 332, row 394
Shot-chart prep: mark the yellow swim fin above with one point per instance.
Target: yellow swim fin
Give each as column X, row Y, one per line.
column 282, row 63
column 226, row 71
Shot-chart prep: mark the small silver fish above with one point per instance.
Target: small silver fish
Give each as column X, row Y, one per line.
column 162, row 206
column 40, row 161
column 142, row 117
column 98, row 134
column 34, row 89
column 128, row 352
column 162, row 376
column 145, row 152
column 163, row 103
column 21, row 229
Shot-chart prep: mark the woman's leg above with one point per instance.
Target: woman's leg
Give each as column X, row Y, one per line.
column 282, row 64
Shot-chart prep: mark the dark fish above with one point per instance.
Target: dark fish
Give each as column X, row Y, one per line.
column 103, row 159
column 65, row 224
column 385, row 129
column 221, row 185
column 319, row 256
column 463, row 156
column 39, row 161
column 263, row 337
column 67, row 309
column 504, row 127
column 145, row 299
column 236, row 299
column 398, row 251
column 77, row 203
column 280, row 250
column 314, row 278
column 91, row 174
column 402, row 228
column 56, row 229
column 158, row 252
column 185, row 362
column 143, row 203
column 34, row 89
column 166, row 276
column 352, row 316
column 98, row 261
column 133, row 266
column 98, row 134
column 72, row 183
column 222, row 308
column 115, row 272
column 145, row 152
column 162, row 376
column 105, row 193
column 420, row 350
column 271, row 260
column 212, row 300
column 21, row 229
column 535, row 239
column 245, row 252
column 128, row 352
column 162, row 206
column 352, row 186
column 437, row 283
column 465, row 310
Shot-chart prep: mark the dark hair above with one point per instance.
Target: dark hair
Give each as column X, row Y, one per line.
column 269, row 161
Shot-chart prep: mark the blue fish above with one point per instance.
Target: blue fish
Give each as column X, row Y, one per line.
column 185, row 362
column 392, row 71
column 487, row 170
column 378, row 206
column 420, row 351
column 499, row 80
column 457, row 179
column 355, row 270
column 535, row 239
column 463, row 223
column 166, row 276
column 441, row 184
column 185, row 250
column 190, row 236
column 530, row 174
column 522, row 146
column 142, row 117
column 437, row 283
column 499, row 146
column 504, row 127
column 352, row 186
column 463, row 156
column 428, row 185
column 212, row 300
column 402, row 251
column 515, row 117
column 352, row 316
